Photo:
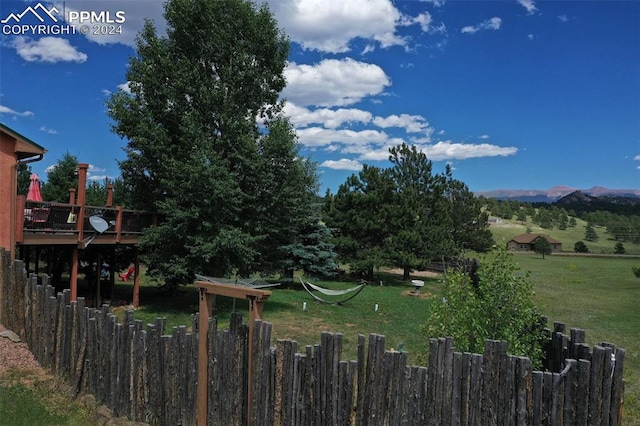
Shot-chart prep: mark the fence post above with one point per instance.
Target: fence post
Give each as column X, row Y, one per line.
column 205, row 308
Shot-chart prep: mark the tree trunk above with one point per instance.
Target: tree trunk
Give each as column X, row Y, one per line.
column 370, row 274
column 407, row 273
column 289, row 275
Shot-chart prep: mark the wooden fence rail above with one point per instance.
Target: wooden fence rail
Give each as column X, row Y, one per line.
column 150, row 376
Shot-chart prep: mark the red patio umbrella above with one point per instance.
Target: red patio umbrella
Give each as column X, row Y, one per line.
column 34, row 193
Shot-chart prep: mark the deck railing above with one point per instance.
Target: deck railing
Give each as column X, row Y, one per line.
column 34, row 217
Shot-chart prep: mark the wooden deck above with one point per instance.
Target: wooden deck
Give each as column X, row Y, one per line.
column 46, row 223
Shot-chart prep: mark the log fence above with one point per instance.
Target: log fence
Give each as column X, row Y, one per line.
column 147, row 375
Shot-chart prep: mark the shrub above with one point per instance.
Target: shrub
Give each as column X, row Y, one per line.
column 580, row 247
column 636, row 272
column 500, row 307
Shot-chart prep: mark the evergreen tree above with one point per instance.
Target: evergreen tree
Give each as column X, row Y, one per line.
column 24, row 178
column 312, row 252
column 590, row 233
column 60, row 178
column 580, row 247
column 469, row 227
column 360, row 214
column 405, row 216
column 421, row 216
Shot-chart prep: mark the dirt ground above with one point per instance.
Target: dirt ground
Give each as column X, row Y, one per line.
column 430, row 274
column 15, row 355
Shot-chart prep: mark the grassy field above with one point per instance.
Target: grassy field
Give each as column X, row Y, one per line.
column 568, row 237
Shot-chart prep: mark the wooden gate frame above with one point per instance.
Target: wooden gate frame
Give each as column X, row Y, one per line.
column 208, row 292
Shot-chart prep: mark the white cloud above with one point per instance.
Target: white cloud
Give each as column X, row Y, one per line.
column 47, row 49
column 368, row 48
column 530, row 5
column 46, row 130
column 443, row 151
column 301, row 117
column 436, row 3
column 92, row 173
column 125, row 87
column 490, row 24
column 342, row 164
column 319, row 137
column 411, row 123
column 637, row 158
column 423, row 19
column 448, row 150
column 333, row 82
column 7, row 110
column 563, row 18
column 483, row 137
column 330, row 26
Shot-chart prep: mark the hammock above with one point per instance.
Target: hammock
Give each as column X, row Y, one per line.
column 352, row 292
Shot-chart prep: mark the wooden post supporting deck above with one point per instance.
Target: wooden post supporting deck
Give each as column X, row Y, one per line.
column 136, row 281
column 208, row 292
column 82, row 193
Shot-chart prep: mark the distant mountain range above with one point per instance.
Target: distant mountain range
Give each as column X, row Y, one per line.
column 555, row 193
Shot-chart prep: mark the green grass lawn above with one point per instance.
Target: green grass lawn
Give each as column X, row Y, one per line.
column 36, row 398
column 285, row 310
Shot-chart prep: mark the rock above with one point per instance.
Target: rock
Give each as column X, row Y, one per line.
column 103, row 415
column 88, row 400
column 10, row 335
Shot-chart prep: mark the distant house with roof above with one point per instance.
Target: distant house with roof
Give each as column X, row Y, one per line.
column 527, row 242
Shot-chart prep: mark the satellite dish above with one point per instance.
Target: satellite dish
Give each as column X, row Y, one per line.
column 99, row 224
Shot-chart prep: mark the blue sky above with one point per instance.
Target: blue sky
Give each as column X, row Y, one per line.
column 516, row 94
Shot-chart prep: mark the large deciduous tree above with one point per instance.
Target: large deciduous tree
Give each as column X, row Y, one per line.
column 230, row 190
